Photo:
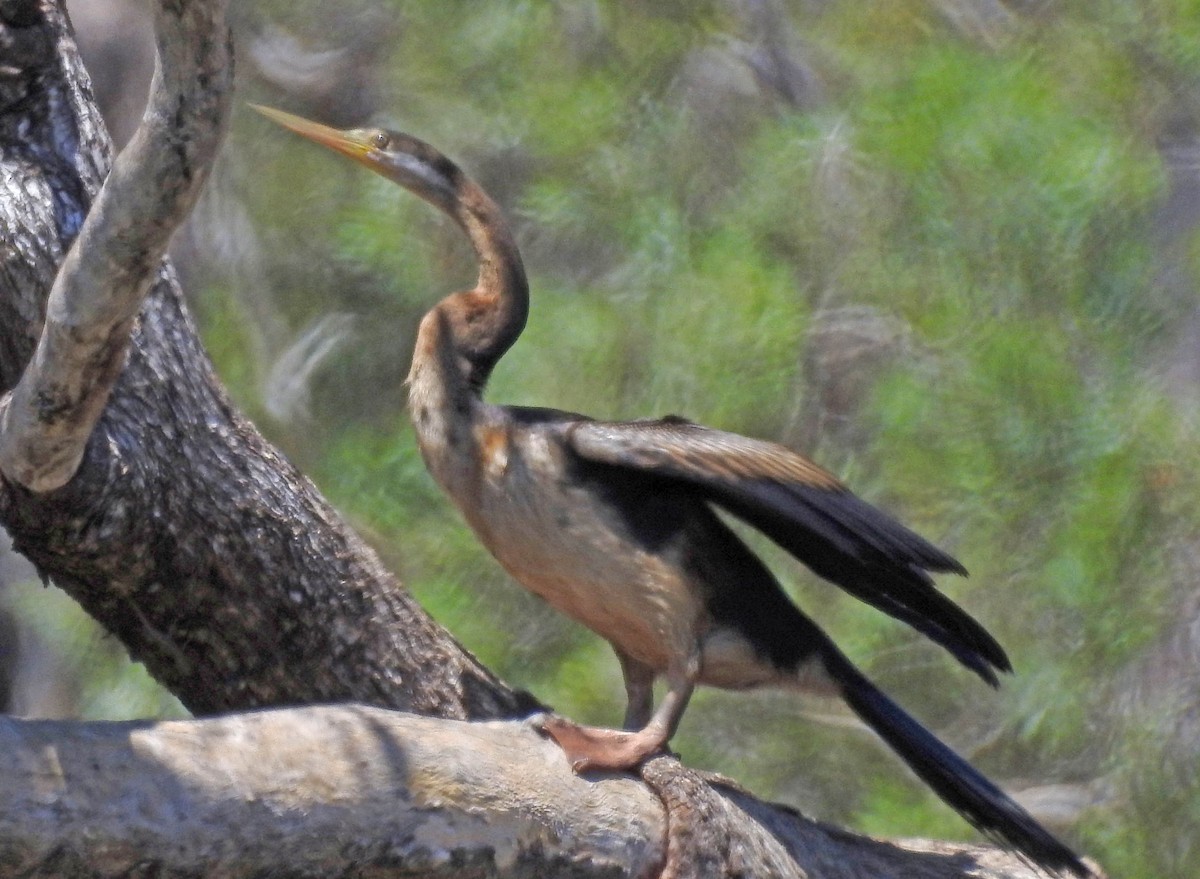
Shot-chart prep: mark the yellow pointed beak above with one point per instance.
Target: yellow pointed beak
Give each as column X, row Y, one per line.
column 353, row 143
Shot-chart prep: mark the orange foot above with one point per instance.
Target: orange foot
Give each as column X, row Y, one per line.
column 590, row 747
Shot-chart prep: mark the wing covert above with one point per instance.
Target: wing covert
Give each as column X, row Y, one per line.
column 809, row 513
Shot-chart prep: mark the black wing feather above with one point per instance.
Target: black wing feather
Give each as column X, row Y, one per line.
column 810, row 514
column 844, row 540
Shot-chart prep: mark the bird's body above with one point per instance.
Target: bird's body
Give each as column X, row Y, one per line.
column 615, row 525
column 617, row 574
column 640, row 562
column 631, row 558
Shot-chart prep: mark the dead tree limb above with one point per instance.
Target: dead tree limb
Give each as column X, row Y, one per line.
column 98, row 291
column 350, row 789
column 321, row 791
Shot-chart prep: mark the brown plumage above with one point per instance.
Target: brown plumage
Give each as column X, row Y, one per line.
column 613, row 523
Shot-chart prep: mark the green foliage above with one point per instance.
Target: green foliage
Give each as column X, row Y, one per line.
column 1162, row 797
column 92, row 672
column 904, row 811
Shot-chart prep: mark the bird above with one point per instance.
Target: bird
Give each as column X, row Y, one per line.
column 616, row 525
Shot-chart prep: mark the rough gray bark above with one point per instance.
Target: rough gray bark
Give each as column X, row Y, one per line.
column 223, row 570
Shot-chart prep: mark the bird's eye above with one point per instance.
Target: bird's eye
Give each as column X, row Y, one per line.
column 382, row 140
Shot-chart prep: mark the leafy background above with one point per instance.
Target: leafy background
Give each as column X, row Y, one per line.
column 949, row 248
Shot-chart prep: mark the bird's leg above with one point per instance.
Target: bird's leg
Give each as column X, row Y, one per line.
column 639, row 690
column 590, row 747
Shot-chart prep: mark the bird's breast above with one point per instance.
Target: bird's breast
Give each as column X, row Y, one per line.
column 571, row 545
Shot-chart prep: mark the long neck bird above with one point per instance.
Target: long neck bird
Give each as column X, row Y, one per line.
column 615, row 524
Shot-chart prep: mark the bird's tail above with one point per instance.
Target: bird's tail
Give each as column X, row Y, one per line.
column 953, row 779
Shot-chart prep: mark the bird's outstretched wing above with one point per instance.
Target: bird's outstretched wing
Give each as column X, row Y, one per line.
column 809, row 513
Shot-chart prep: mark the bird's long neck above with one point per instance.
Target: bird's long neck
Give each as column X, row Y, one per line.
column 487, row 319
column 463, row 336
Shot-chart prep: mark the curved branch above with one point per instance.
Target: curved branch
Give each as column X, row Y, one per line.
column 350, row 789
column 100, row 286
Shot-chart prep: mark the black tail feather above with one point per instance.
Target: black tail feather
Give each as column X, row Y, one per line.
column 845, row 540
column 958, row 783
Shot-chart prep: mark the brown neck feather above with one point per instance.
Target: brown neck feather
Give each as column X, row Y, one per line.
column 487, row 320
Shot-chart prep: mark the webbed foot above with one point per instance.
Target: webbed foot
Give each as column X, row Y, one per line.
column 590, row 747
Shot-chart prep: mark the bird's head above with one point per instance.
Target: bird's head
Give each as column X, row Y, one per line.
column 412, row 163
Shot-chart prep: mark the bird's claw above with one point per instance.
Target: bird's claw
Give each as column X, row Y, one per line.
column 588, row 747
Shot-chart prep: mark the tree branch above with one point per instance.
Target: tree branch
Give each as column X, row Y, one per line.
column 349, row 789
column 322, row 791
column 108, row 270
